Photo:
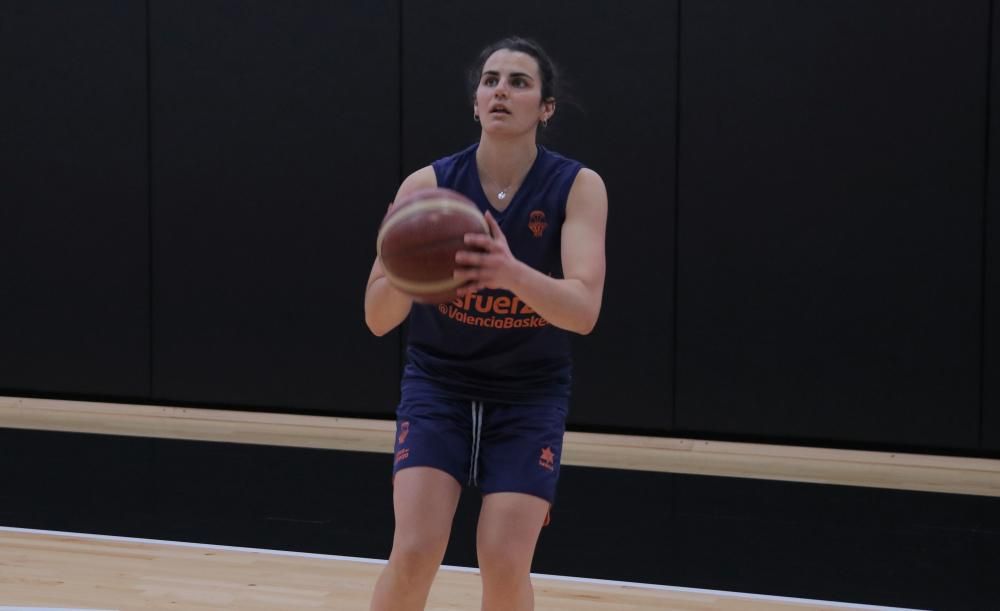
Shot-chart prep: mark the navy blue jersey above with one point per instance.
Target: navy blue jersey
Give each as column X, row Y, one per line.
column 489, row 345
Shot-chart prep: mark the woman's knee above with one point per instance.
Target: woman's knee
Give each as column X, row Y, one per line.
column 509, row 525
column 418, row 549
column 504, row 559
column 425, row 501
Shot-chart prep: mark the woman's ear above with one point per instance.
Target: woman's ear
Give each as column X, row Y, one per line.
column 548, row 109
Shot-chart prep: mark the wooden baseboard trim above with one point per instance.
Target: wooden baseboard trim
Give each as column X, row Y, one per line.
column 918, row 472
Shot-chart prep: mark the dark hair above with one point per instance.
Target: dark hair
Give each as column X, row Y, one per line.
column 549, row 73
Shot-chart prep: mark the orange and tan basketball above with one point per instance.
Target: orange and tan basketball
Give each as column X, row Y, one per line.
column 418, row 240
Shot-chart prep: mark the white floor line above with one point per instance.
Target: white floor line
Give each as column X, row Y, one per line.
column 460, row 569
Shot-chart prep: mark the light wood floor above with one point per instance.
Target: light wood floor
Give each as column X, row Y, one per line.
column 976, row 476
column 50, row 570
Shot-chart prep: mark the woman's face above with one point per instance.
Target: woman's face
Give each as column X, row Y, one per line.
column 509, row 96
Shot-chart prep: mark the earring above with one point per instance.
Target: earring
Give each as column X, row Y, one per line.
column 545, row 123
column 475, row 117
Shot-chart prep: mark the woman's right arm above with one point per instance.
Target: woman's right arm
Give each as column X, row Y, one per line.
column 386, row 307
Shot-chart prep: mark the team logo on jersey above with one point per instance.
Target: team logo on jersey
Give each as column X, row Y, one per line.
column 536, row 223
column 547, row 459
column 493, row 310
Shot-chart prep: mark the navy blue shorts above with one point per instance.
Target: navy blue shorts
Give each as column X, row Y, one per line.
column 498, row 447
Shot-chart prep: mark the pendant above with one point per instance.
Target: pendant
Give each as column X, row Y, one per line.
column 501, row 195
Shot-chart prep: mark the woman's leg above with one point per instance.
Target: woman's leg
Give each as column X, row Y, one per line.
column 424, row 501
column 509, row 525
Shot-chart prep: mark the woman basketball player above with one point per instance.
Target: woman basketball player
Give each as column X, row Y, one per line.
column 485, row 391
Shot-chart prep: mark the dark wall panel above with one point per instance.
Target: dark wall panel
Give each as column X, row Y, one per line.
column 852, row 544
column 275, row 130
column 74, row 314
column 831, row 188
column 991, row 304
column 621, row 65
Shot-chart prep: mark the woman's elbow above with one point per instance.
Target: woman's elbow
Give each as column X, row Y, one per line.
column 585, row 325
column 373, row 322
column 377, row 327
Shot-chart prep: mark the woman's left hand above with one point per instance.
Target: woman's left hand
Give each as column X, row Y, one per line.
column 489, row 264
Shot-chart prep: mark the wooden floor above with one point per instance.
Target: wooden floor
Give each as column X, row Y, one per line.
column 60, row 570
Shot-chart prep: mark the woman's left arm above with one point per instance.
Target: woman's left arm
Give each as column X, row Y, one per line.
column 573, row 302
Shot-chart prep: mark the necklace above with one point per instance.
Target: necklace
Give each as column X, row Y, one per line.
column 502, row 193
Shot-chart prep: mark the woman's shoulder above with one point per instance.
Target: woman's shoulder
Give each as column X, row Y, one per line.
column 578, row 180
column 557, row 168
column 424, row 178
column 458, row 157
column 557, row 164
column 589, row 180
column 455, row 168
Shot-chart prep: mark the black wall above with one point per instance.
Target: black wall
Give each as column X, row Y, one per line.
column 74, row 246
column 275, row 147
column 798, row 191
column 991, row 302
column 830, row 266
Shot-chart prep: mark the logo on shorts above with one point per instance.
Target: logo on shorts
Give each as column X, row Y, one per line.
column 404, row 432
column 548, row 459
column 536, row 223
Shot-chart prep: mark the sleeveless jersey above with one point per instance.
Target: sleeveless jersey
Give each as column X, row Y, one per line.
column 489, row 345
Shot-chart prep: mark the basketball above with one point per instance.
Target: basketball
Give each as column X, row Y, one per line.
column 419, row 237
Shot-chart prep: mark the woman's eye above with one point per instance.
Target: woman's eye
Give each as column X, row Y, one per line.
column 519, row 82
column 489, row 81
